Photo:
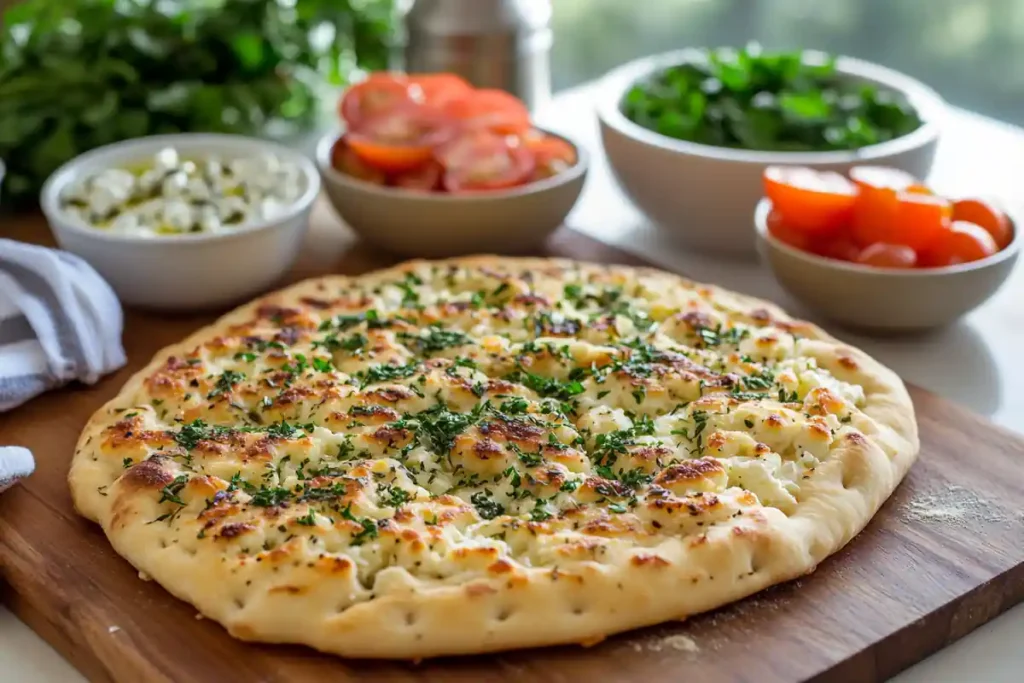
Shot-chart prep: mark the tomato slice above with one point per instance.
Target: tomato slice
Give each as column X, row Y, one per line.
column 553, row 154
column 990, row 217
column 888, row 256
column 377, row 95
column 478, row 160
column 494, row 110
column 815, row 202
column 962, row 242
column 440, row 89
column 425, row 178
column 401, row 139
column 344, row 160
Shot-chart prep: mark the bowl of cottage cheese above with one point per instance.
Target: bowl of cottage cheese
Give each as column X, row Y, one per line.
column 187, row 221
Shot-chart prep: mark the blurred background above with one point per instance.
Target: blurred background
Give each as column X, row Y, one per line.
column 968, row 50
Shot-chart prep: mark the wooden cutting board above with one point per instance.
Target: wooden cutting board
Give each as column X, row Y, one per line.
column 945, row 555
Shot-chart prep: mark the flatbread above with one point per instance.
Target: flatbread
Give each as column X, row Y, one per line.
column 489, row 453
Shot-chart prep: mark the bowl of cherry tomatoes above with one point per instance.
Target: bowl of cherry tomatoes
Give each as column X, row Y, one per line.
column 877, row 249
column 428, row 166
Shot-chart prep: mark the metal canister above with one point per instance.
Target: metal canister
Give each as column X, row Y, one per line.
column 504, row 44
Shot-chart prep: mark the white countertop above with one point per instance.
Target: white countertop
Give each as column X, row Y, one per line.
column 977, row 155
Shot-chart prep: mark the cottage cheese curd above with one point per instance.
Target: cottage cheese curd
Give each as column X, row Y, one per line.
column 171, row 196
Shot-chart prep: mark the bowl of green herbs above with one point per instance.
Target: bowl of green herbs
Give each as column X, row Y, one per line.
column 80, row 74
column 689, row 133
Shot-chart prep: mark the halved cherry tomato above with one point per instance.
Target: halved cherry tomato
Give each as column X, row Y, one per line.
column 883, row 177
column 426, row 177
column 553, row 154
column 401, row 139
column 814, row 202
column 440, row 89
column 988, row 216
column 888, row 256
column 839, row 247
column 494, row 110
column 343, row 159
column 377, row 95
column 890, row 217
column 483, row 161
column 777, row 227
column 962, row 242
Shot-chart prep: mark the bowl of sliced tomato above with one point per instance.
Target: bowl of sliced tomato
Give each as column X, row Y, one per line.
column 427, row 165
column 878, row 249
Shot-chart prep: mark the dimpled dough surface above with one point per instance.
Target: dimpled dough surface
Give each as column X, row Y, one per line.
column 489, row 453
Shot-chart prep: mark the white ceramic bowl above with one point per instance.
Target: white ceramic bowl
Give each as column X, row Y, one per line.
column 892, row 300
column 191, row 271
column 433, row 225
column 704, row 195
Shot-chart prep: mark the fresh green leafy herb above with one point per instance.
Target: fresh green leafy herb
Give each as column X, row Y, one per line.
column 386, row 373
column 369, row 531
column 77, row 75
column 780, row 101
column 169, row 493
column 434, row 339
column 226, row 382
column 486, row 506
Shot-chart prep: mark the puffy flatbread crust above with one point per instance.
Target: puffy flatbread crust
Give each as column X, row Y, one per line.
column 366, row 555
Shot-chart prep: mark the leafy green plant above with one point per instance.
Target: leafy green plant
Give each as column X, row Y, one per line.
column 757, row 100
column 76, row 74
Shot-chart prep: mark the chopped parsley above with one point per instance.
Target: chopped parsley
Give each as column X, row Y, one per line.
column 226, row 382
column 369, row 531
column 386, row 373
column 486, row 507
column 434, row 339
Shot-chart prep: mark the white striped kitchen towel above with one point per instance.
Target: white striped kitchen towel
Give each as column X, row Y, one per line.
column 59, row 322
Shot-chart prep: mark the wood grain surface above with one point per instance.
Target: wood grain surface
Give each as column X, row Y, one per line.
column 945, row 555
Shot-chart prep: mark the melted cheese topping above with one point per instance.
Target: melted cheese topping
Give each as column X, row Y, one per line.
column 460, row 419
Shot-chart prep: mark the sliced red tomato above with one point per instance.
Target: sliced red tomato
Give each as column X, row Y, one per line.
column 346, row 161
column 962, row 242
column 478, row 160
column 990, row 217
column 401, row 139
column 377, row 95
column 553, row 154
column 494, row 110
column 815, row 202
column 888, row 256
column 440, row 89
column 425, row 178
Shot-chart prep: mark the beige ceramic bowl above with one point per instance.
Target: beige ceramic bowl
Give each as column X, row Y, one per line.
column 432, row 225
column 704, row 195
column 883, row 299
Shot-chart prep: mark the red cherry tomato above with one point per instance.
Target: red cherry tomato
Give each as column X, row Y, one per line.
column 484, row 161
column 797, row 239
column 888, row 256
column 375, row 96
column 913, row 219
column 425, row 178
column 840, row 248
column 440, row 89
column 892, row 207
column 553, row 154
column 988, row 216
column 494, row 110
column 401, row 139
column 881, row 177
column 815, row 202
column 346, row 161
column 962, row 242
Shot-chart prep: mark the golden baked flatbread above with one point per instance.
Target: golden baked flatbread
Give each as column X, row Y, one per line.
column 487, row 453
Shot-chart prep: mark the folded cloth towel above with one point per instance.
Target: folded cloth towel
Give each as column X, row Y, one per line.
column 15, row 463
column 59, row 321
